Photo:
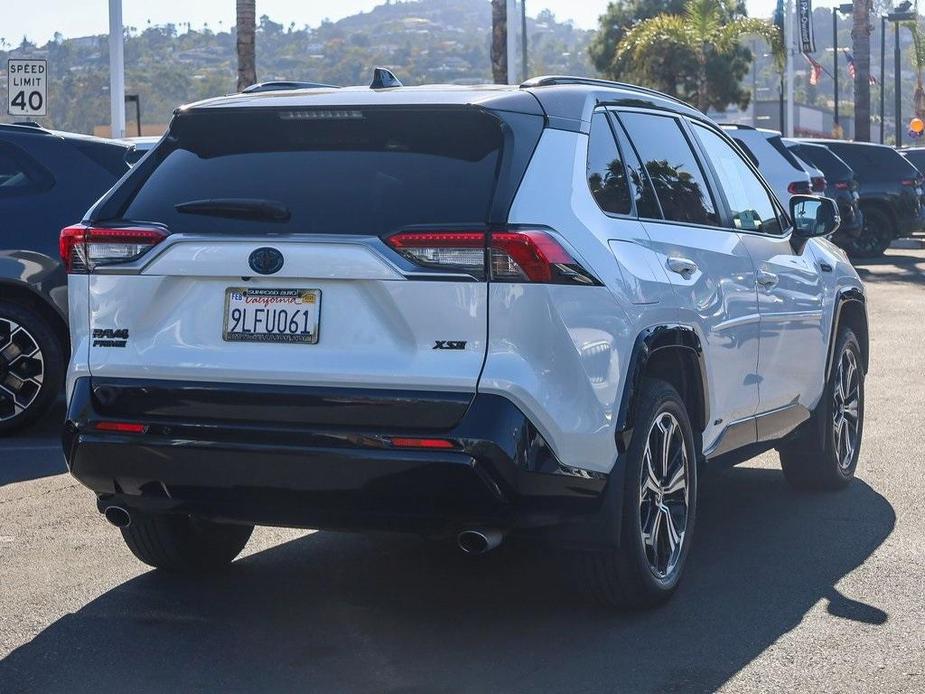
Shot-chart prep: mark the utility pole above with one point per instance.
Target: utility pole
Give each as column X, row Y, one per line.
column 835, row 61
column 882, row 70
column 524, row 66
column 789, row 43
column 897, row 87
column 116, row 70
column 512, row 42
column 860, row 38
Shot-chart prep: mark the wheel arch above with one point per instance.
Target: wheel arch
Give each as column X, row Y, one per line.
column 851, row 312
column 673, row 353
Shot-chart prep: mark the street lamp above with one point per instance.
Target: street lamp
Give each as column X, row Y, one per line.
column 846, row 8
column 900, row 14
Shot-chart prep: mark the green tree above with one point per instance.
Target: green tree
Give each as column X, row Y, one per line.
column 689, row 48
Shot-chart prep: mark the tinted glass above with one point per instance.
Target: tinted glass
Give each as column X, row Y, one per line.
column 110, row 156
column 672, row 167
column 19, row 173
column 834, row 168
column 347, row 172
column 643, row 193
column 778, row 144
column 606, row 175
column 749, row 202
column 917, row 157
column 873, row 161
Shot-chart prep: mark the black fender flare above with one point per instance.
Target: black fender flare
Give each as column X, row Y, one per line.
column 648, row 343
column 855, row 297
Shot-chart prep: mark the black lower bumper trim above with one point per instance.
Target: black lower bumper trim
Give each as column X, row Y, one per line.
column 499, row 473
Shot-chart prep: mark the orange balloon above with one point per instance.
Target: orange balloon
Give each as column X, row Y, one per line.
column 916, row 125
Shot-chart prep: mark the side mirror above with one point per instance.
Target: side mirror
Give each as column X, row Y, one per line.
column 813, row 216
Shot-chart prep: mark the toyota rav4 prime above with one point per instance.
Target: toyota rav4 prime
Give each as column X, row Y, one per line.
column 462, row 312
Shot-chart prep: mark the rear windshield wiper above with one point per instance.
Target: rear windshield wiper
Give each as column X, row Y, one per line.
column 237, row 208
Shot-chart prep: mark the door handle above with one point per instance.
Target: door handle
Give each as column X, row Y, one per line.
column 766, row 279
column 682, row 266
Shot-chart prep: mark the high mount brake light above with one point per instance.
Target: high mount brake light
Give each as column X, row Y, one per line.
column 517, row 255
column 83, row 248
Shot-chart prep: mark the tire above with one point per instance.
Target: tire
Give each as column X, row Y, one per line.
column 31, row 366
column 185, row 545
column 824, row 453
column 876, row 235
column 643, row 574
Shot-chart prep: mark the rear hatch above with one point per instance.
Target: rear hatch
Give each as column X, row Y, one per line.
column 270, row 260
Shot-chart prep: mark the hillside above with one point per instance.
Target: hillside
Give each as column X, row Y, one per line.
column 423, row 41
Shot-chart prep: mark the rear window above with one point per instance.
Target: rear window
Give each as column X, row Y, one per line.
column 917, row 157
column 873, row 161
column 781, row 148
column 110, row 157
column 834, row 168
column 337, row 172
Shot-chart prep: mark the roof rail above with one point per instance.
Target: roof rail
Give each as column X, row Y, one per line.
column 550, row 80
column 279, row 85
column 31, row 124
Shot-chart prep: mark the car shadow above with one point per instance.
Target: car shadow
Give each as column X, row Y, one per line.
column 35, row 451
column 892, row 267
column 346, row 613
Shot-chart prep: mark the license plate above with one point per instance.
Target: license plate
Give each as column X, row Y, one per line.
column 272, row 315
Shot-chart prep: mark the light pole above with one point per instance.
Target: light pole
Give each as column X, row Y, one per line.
column 116, row 70
column 901, row 14
column 882, row 69
column 844, row 9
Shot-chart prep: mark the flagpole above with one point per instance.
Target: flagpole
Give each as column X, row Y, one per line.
column 789, row 47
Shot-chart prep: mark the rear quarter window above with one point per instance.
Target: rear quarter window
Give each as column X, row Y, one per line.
column 345, row 172
column 20, row 174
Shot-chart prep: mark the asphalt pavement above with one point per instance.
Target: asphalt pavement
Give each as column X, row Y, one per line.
column 784, row 591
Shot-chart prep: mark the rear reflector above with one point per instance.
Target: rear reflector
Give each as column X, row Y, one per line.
column 83, row 248
column 515, row 255
column 122, row 427
column 422, row 443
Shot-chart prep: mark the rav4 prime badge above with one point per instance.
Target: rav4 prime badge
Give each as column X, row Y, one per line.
column 109, row 337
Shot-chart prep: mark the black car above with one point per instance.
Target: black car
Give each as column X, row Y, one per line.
column 890, row 193
column 916, row 156
column 842, row 186
column 47, row 179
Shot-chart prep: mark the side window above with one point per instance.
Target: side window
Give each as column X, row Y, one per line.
column 606, row 175
column 18, row 175
column 679, row 182
column 749, row 202
column 644, row 196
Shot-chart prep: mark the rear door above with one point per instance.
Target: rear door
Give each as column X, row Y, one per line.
column 276, row 269
column 708, row 266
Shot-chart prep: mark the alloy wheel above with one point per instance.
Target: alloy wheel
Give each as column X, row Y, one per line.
column 22, row 368
column 846, row 408
column 664, row 495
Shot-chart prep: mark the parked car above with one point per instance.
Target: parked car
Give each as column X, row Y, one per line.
column 890, row 190
column 317, row 310
column 46, row 179
column 842, row 187
column 138, row 147
column 777, row 164
column 915, row 156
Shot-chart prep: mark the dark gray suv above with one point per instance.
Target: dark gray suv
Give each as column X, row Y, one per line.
column 47, row 179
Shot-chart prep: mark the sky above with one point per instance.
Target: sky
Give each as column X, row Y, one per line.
column 39, row 20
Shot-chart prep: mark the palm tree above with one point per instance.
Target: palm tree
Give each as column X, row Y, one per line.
column 860, row 38
column 499, row 41
column 246, row 29
column 703, row 30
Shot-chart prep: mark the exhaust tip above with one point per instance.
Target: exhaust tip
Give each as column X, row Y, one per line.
column 118, row 516
column 479, row 541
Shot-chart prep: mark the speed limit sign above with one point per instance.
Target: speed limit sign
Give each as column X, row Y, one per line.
column 27, row 82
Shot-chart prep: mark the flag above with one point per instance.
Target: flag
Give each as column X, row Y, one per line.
column 815, row 69
column 853, row 71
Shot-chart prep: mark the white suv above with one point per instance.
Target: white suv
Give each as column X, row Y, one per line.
column 462, row 312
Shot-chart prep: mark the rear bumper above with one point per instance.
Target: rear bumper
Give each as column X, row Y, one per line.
column 322, row 460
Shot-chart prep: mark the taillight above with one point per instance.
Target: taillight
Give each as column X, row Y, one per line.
column 842, row 185
column 514, row 255
column 911, row 182
column 799, row 188
column 83, row 248
column 818, row 184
